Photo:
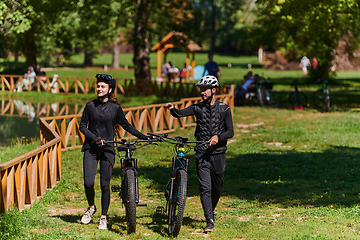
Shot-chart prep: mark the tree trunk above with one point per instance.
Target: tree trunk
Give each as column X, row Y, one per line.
column 88, row 60
column 116, row 51
column 141, row 47
column 16, row 59
column 213, row 22
column 30, row 48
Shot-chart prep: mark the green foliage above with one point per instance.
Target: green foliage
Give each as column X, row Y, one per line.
column 309, row 28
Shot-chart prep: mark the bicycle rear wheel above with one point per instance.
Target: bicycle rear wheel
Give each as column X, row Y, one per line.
column 177, row 206
column 298, row 99
column 130, row 204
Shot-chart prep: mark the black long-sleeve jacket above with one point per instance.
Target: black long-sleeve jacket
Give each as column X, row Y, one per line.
column 99, row 119
column 211, row 120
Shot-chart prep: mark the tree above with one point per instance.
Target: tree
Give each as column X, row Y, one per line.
column 15, row 19
column 151, row 18
column 309, row 28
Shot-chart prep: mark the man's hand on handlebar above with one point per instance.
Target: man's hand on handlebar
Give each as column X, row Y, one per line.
column 169, row 106
column 214, row 140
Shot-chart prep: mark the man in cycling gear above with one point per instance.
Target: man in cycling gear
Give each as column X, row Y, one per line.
column 214, row 124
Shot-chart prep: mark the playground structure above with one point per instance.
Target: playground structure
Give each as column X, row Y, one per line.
column 176, row 40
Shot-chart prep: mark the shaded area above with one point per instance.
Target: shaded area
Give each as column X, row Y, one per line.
column 283, row 177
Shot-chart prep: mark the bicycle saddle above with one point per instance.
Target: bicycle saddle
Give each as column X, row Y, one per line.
column 125, row 147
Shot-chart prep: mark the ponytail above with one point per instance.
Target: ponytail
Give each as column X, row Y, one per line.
column 113, row 99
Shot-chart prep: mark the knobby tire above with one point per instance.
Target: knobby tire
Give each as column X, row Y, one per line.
column 130, row 205
column 177, row 207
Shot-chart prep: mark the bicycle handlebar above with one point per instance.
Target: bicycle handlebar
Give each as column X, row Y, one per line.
column 124, row 141
column 178, row 140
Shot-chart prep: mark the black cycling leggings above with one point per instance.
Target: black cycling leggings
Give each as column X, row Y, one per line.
column 90, row 162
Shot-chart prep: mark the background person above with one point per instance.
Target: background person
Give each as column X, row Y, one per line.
column 304, row 63
column 29, row 78
column 98, row 122
column 165, row 71
column 247, row 87
column 212, row 67
column 214, row 124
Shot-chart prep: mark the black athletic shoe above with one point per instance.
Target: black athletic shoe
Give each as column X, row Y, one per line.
column 210, row 224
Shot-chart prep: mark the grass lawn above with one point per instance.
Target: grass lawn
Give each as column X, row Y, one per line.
column 289, row 175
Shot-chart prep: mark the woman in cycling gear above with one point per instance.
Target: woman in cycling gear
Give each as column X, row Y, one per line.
column 98, row 123
column 214, row 124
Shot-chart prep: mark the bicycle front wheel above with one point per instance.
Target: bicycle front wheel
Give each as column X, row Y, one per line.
column 327, row 102
column 177, row 205
column 260, row 97
column 130, row 204
column 298, row 99
column 271, row 99
column 321, row 100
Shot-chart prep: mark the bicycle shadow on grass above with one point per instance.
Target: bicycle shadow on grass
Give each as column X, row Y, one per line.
column 159, row 224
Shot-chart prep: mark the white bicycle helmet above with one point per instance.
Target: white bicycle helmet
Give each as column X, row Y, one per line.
column 208, row 81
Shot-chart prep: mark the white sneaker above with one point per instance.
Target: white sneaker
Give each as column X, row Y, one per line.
column 87, row 216
column 103, row 223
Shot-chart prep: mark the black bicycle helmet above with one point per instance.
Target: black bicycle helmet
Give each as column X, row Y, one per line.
column 208, row 81
column 107, row 79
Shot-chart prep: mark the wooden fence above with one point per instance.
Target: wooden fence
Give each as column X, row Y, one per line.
column 25, row 178
column 125, row 87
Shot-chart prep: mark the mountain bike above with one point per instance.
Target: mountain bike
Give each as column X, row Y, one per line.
column 321, row 97
column 129, row 190
column 266, row 97
column 297, row 99
column 175, row 191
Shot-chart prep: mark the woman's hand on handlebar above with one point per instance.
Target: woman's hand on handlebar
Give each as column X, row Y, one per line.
column 99, row 141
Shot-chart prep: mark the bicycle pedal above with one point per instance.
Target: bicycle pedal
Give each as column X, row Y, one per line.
column 142, row 205
column 115, row 188
column 160, row 210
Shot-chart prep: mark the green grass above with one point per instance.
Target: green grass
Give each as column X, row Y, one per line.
column 289, row 175
column 18, row 147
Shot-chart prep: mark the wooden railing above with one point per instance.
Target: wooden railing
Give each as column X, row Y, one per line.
column 151, row 118
column 25, row 178
column 125, row 87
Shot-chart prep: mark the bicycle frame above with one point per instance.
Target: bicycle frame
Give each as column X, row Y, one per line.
column 127, row 163
column 178, row 162
column 176, row 201
column 325, row 90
